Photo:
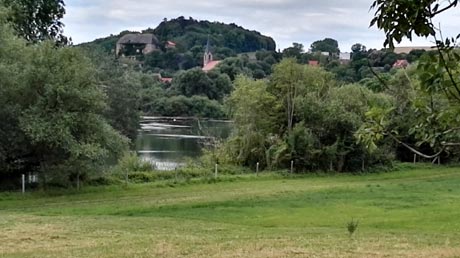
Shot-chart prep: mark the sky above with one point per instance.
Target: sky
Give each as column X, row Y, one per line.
column 286, row 21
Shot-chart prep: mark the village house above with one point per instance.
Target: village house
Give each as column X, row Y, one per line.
column 170, row 44
column 136, row 44
column 345, row 57
column 402, row 63
column 313, row 63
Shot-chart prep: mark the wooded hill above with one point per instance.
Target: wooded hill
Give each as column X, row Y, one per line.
column 192, row 35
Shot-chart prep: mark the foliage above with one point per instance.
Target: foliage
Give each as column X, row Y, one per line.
column 123, row 90
column 39, row 20
column 437, row 89
column 191, row 37
column 326, row 45
column 190, row 33
column 400, row 18
column 196, row 82
column 130, row 162
column 54, row 112
column 254, row 112
column 352, row 226
column 302, row 116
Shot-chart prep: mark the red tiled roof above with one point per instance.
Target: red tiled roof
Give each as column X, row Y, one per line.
column 402, row 63
column 313, row 63
column 171, row 44
column 166, row 80
column 211, row 65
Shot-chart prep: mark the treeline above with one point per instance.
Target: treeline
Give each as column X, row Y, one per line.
column 64, row 117
column 304, row 115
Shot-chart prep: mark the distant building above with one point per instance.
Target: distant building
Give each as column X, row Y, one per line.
column 402, row 63
column 136, row 44
column 407, row 50
column 162, row 79
column 313, row 63
column 345, row 57
column 208, row 61
column 166, row 80
column 170, row 44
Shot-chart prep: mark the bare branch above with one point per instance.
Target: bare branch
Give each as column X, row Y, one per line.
column 416, row 151
column 452, row 4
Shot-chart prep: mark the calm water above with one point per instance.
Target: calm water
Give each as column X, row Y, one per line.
column 168, row 142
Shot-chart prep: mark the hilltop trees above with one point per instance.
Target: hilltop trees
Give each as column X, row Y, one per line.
column 326, row 45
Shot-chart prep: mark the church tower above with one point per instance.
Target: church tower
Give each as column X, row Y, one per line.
column 207, row 54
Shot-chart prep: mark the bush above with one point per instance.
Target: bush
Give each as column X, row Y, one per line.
column 130, row 162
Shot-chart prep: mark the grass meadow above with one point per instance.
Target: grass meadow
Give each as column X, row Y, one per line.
column 407, row 213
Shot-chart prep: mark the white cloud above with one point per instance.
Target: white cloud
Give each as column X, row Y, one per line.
column 287, row 21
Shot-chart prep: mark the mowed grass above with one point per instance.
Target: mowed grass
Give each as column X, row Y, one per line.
column 413, row 213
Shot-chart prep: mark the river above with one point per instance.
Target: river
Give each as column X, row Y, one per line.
column 169, row 142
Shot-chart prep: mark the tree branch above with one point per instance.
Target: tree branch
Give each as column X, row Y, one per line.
column 452, row 4
column 416, row 151
column 385, row 85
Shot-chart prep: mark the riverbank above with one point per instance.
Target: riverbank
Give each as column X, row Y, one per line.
column 409, row 213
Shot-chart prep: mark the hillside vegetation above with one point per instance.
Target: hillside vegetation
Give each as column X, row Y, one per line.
column 191, row 37
column 411, row 213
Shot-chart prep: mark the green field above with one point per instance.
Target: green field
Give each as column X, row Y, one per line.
column 409, row 213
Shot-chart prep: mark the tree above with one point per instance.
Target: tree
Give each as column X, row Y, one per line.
column 359, row 51
column 326, row 45
column 292, row 80
column 254, row 111
column 54, row 112
column 37, row 20
column 294, row 52
column 288, row 80
column 401, row 19
column 123, row 88
column 438, row 74
column 195, row 82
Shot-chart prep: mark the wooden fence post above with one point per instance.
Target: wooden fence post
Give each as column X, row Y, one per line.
column 23, row 183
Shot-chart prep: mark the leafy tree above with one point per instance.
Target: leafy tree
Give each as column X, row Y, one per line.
column 196, row 82
column 254, row 111
column 359, row 51
column 400, row 18
column 326, row 45
column 291, row 80
column 54, row 108
column 438, row 93
column 323, row 120
column 123, row 90
column 37, row 20
column 294, row 52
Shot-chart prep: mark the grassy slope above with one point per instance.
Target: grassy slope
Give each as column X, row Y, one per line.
column 402, row 214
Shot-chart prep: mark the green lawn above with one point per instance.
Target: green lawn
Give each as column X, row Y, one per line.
column 412, row 213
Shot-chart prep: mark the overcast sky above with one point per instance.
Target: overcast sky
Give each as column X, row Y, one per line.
column 287, row 21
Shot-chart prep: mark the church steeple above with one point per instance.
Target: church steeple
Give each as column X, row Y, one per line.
column 207, row 54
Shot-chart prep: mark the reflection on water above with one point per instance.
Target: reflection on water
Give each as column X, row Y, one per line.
column 167, row 142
